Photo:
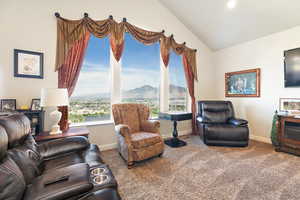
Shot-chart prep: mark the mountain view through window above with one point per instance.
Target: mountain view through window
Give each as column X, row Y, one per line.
column 178, row 94
column 140, row 75
column 91, row 98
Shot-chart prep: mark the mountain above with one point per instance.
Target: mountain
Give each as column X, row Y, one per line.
column 145, row 91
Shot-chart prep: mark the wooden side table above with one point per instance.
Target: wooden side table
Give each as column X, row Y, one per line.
column 175, row 142
column 72, row 131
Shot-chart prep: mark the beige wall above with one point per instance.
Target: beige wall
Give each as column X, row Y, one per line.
column 267, row 54
column 31, row 25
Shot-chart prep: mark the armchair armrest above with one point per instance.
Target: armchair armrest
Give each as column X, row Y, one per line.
column 62, row 146
column 123, row 130
column 151, row 126
column 238, row 122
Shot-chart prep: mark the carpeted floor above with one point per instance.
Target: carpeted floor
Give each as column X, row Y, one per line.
column 201, row 172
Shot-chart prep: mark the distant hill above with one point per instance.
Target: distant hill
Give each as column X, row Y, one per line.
column 146, row 91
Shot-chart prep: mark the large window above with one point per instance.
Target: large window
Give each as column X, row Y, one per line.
column 140, row 74
column 91, row 98
column 139, row 77
column 178, row 94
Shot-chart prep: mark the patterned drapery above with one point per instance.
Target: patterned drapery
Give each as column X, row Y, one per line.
column 73, row 35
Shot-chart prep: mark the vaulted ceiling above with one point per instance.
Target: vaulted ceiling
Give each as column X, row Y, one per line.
column 220, row 27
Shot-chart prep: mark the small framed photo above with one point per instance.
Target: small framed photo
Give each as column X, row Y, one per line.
column 8, row 105
column 28, row 64
column 291, row 105
column 35, row 104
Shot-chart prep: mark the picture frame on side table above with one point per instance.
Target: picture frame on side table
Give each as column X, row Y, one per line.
column 35, row 105
column 7, row 105
column 28, row 64
column 244, row 83
column 289, row 105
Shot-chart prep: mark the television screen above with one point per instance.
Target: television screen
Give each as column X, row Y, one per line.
column 292, row 68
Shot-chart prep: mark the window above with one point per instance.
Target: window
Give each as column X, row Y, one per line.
column 140, row 74
column 139, row 77
column 178, row 94
column 91, row 98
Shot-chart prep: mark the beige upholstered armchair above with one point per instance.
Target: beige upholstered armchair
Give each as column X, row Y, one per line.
column 138, row 137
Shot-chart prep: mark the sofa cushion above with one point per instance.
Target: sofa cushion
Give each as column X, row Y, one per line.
column 60, row 184
column 3, row 142
column 90, row 156
column 17, row 127
column 144, row 139
column 12, row 183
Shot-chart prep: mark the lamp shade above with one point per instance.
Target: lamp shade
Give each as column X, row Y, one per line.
column 53, row 97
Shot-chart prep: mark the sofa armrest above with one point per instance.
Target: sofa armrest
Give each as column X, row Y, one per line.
column 123, row 130
column 238, row 122
column 63, row 183
column 62, row 146
column 151, row 126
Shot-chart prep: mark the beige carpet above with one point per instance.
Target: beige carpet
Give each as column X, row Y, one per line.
column 201, row 172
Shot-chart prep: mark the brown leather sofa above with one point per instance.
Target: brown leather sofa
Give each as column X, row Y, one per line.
column 138, row 137
column 57, row 170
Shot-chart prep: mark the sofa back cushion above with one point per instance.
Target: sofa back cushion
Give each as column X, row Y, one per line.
column 28, row 159
column 215, row 111
column 21, row 146
column 17, row 127
column 12, row 184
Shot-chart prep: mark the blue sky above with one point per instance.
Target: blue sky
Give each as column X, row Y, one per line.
column 140, row 66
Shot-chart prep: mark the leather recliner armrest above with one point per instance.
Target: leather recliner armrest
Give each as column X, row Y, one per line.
column 60, row 184
column 62, row 146
column 238, row 122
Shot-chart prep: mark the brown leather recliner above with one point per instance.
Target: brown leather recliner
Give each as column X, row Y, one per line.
column 138, row 137
column 56, row 170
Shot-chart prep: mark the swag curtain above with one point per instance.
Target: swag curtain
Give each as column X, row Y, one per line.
column 72, row 40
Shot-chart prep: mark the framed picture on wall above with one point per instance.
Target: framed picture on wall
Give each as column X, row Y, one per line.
column 243, row 83
column 291, row 105
column 28, row 64
column 7, row 105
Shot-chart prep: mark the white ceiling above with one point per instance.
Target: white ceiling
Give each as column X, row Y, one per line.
column 219, row 27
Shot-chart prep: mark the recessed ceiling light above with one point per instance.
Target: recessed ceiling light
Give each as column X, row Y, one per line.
column 231, row 4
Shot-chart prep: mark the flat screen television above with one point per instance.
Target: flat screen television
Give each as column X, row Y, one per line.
column 292, row 68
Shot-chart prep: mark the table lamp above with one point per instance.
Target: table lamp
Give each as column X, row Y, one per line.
column 54, row 97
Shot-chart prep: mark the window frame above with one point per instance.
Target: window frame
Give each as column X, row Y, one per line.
column 115, row 94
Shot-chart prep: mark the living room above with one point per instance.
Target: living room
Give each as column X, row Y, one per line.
column 228, row 38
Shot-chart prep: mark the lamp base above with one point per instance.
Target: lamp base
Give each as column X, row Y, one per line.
column 55, row 130
column 55, row 116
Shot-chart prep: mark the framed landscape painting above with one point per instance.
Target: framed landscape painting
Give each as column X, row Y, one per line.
column 28, row 64
column 243, row 83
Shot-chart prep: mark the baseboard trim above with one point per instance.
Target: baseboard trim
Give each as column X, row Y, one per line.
column 260, row 139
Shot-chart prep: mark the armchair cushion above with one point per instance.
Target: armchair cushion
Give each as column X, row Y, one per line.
column 238, row 122
column 63, row 146
column 150, row 126
column 144, row 139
